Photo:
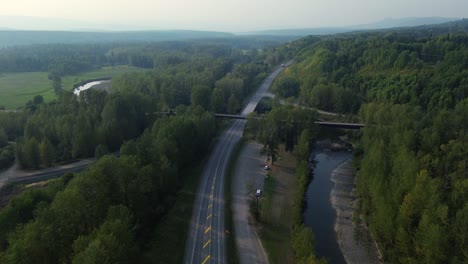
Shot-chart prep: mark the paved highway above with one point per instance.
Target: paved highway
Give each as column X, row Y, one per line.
column 206, row 241
column 15, row 175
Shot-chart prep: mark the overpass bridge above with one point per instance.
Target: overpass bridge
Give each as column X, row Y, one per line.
column 328, row 124
column 320, row 123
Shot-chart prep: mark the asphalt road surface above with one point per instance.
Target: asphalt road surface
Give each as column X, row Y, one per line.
column 206, row 241
column 16, row 175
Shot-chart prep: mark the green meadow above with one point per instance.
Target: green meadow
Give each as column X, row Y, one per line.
column 16, row 89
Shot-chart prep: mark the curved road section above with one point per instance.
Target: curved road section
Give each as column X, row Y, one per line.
column 206, row 241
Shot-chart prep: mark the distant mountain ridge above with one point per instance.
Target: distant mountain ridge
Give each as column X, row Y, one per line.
column 12, row 37
column 405, row 22
column 57, row 24
column 383, row 24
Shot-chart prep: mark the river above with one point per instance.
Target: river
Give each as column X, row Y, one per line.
column 319, row 213
column 89, row 85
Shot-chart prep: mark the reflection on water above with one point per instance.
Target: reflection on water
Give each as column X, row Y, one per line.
column 86, row 86
column 319, row 214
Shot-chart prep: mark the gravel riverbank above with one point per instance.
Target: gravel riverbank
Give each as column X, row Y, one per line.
column 343, row 201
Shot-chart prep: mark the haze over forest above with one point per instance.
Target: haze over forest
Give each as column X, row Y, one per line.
column 155, row 131
column 238, row 16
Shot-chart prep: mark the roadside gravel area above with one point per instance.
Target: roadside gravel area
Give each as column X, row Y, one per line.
column 249, row 176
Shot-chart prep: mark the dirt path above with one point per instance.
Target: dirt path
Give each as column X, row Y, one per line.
column 6, row 175
column 249, row 176
column 343, row 200
column 15, row 174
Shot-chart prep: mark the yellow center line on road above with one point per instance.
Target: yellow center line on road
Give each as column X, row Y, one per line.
column 208, row 229
column 206, row 244
column 208, row 217
column 206, row 259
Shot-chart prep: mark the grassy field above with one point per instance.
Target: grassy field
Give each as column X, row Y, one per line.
column 18, row 88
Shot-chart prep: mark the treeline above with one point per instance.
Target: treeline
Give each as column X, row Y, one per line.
column 409, row 67
column 295, row 127
column 7, row 154
column 61, row 59
column 72, row 127
column 413, row 181
column 69, row 59
column 96, row 122
column 283, row 124
column 302, row 237
column 213, row 84
column 106, row 213
column 410, row 87
column 10, row 38
column 11, row 127
column 12, row 123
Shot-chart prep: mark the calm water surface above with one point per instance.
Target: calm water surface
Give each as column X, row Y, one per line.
column 319, row 214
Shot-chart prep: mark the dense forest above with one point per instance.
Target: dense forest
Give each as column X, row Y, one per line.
column 112, row 206
column 24, row 37
column 9, row 38
column 107, row 213
column 216, row 77
column 11, row 127
column 410, row 88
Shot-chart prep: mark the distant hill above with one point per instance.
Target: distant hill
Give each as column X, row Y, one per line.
column 59, row 24
column 458, row 26
column 404, row 22
column 14, row 37
column 298, row 31
column 383, row 24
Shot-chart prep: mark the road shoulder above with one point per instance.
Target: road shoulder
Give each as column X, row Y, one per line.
column 249, row 175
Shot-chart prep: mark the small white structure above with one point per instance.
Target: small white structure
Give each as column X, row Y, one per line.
column 258, row 193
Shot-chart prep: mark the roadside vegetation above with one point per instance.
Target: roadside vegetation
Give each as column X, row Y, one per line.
column 284, row 236
column 7, row 155
column 275, row 210
column 232, row 254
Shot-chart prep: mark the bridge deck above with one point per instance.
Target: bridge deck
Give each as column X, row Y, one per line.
column 320, row 123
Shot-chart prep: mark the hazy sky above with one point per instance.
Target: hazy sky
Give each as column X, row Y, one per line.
column 232, row 15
